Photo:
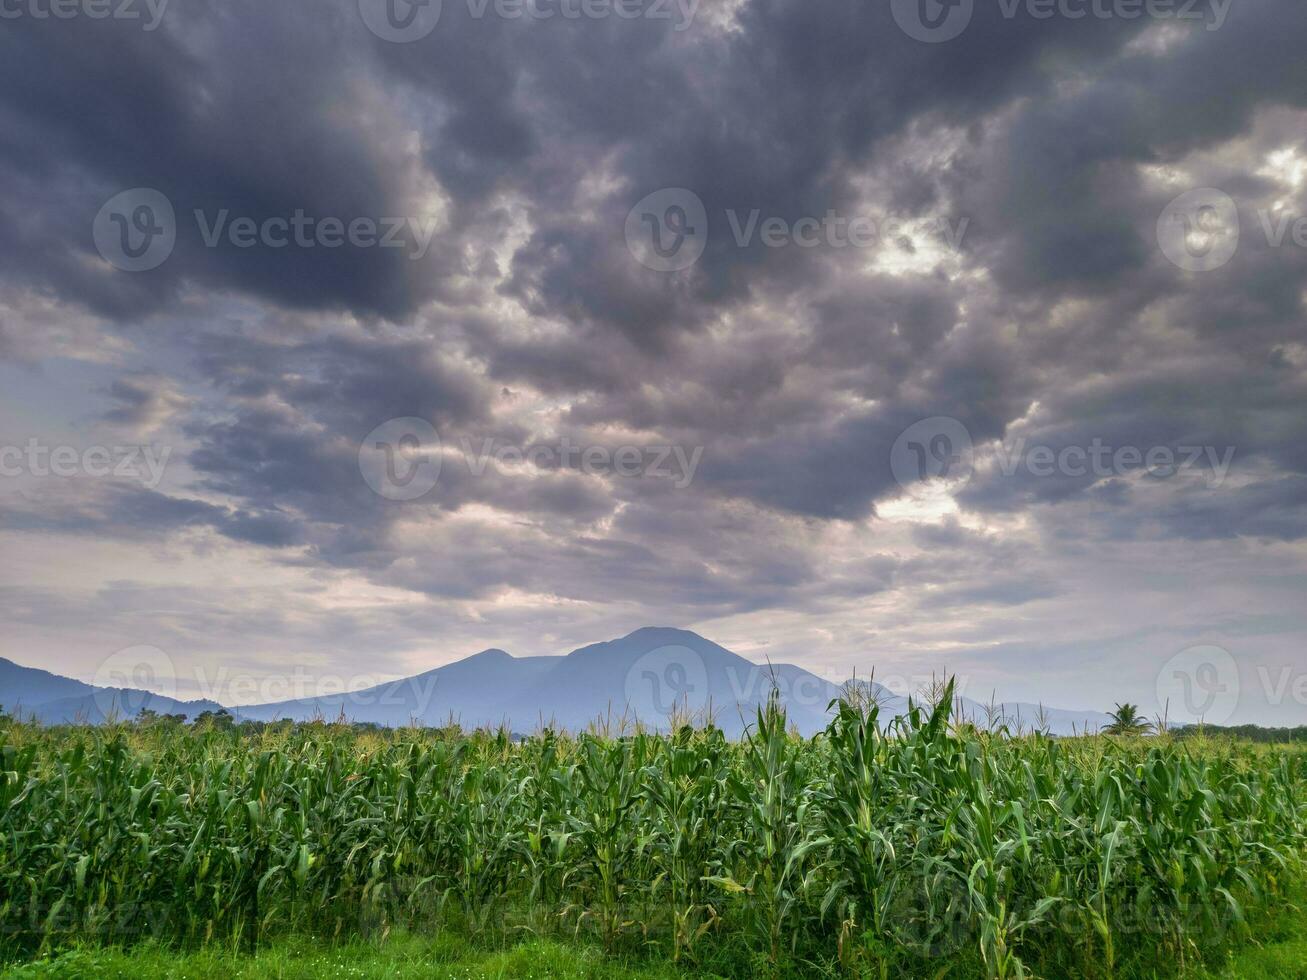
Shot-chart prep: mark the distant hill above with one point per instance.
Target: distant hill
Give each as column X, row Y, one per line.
column 658, row 675
column 25, row 687
column 29, row 692
column 655, row 674
column 477, row 691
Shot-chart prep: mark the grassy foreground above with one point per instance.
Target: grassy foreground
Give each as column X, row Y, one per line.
column 400, row 957
column 930, row 850
column 1279, row 953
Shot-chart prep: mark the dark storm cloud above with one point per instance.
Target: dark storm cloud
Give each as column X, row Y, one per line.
column 1059, row 206
column 204, row 110
column 799, row 101
column 301, row 410
column 1275, row 508
column 125, row 511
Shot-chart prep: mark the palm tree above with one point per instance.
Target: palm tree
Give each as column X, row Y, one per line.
column 1126, row 720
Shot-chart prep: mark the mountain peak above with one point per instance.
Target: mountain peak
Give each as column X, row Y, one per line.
column 666, row 634
column 493, row 653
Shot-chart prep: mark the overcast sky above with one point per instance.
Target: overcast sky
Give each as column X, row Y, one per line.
column 353, row 338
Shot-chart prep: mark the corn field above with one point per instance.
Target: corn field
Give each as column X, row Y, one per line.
column 919, row 849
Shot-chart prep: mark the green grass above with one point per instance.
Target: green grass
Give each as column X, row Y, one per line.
column 1278, row 950
column 1274, row 948
column 402, row 956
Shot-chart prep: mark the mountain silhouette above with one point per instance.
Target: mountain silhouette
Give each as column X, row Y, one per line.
column 658, row 676
column 32, row 693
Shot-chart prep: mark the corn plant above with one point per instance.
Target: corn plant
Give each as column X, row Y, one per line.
column 901, row 847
